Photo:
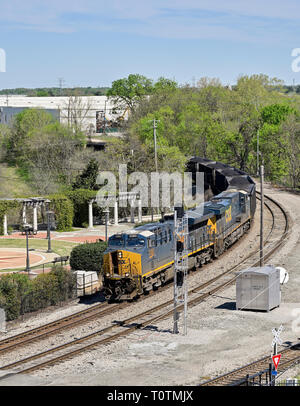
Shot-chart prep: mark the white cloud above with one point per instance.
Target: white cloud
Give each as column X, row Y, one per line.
column 233, row 19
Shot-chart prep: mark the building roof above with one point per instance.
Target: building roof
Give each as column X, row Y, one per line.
column 96, row 102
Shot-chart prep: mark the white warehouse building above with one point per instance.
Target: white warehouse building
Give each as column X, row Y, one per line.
column 92, row 114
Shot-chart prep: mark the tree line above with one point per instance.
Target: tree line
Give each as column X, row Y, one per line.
column 56, row 91
column 223, row 123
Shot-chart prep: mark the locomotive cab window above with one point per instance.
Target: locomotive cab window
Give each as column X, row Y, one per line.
column 135, row 241
column 151, row 243
column 116, row 240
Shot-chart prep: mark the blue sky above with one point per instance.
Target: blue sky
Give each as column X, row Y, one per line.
column 94, row 42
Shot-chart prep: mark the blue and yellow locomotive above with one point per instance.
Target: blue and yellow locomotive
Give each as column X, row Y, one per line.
column 142, row 259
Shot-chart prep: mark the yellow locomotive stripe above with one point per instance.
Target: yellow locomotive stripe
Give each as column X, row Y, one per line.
column 191, row 253
column 172, row 262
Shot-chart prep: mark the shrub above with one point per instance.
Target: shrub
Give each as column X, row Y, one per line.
column 19, row 295
column 64, row 211
column 11, row 300
column 88, row 257
column 66, row 282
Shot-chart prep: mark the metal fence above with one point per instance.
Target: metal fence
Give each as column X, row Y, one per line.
column 289, row 382
column 266, row 378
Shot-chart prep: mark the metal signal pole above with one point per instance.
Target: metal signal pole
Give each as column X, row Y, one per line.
column 261, row 256
column 180, row 267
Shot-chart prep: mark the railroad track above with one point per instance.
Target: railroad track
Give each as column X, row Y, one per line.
column 46, row 330
column 145, row 319
column 258, row 372
column 79, row 318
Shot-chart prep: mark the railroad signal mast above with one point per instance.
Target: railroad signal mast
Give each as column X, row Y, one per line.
column 181, row 233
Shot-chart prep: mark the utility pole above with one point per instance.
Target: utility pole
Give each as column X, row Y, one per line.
column 155, row 153
column 261, row 255
column 104, row 119
column 155, row 143
column 180, row 266
column 61, row 82
column 257, row 153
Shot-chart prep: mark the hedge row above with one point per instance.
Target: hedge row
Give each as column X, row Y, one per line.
column 70, row 209
column 19, row 295
column 88, row 257
column 64, row 211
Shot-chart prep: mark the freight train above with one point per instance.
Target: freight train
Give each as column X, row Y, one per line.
column 142, row 259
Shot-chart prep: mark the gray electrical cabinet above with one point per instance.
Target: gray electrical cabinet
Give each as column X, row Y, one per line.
column 258, row 288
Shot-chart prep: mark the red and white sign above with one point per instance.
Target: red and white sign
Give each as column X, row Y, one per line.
column 276, row 359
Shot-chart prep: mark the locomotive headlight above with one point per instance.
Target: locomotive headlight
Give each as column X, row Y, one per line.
column 108, row 275
column 120, row 254
column 127, row 274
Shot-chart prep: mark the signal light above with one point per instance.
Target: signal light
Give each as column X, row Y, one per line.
column 179, row 278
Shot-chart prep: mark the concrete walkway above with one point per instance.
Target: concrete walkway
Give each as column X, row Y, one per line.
column 14, row 258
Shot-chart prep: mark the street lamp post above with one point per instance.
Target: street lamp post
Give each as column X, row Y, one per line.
column 106, row 211
column 26, row 228
column 49, row 213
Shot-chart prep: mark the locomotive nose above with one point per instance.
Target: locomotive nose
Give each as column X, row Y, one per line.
column 122, row 274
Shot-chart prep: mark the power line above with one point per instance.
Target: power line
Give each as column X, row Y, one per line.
column 61, row 82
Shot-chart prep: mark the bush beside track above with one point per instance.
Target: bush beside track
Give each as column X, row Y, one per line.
column 20, row 295
column 88, row 257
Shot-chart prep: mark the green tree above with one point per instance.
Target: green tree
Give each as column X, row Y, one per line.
column 275, row 144
column 164, row 85
column 274, row 114
column 24, row 124
column 87, row 179
column 127, row 92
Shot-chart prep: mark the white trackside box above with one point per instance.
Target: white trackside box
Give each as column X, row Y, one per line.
column 258, row 288
column 88, row 283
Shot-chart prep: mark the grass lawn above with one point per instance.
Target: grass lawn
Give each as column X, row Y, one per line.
column 12, row 185
column 61, row 248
